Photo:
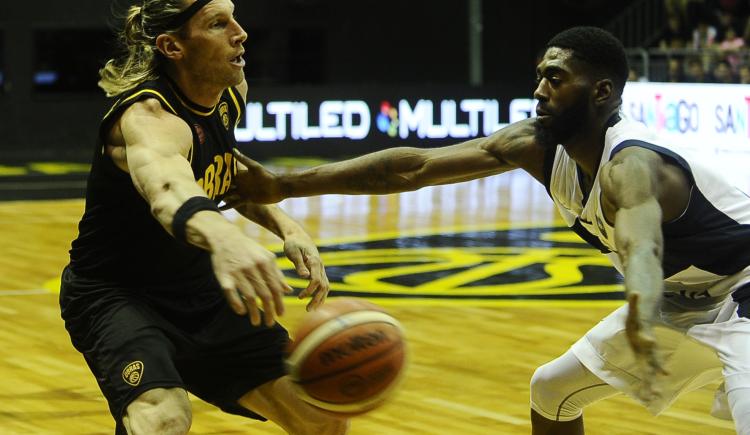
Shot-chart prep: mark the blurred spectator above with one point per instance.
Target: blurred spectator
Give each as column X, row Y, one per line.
column 675, row 73
column 634, row 76
column 745, row 74
column 695, row 72
column 704, row 35
column 731, row 41
column 675, row 34
column 722, row 72
column 731, row 46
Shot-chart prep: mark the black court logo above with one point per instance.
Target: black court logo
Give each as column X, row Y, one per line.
column 133, row 373
column 489, row 264
column 224, row 113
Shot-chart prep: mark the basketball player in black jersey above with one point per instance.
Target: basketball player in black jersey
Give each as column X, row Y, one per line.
column 160, row 285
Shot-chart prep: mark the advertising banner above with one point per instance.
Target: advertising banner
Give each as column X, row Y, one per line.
column 709, row 118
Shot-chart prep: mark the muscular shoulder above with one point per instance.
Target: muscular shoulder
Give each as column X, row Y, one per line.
column 147, row 123
column 149, row 108
column 637, row 174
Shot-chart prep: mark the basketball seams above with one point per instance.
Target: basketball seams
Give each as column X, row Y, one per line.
column 394, row 347
column 330, row 328
column 353, row 408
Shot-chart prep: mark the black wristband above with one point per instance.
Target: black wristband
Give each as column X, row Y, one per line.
column 186, row 211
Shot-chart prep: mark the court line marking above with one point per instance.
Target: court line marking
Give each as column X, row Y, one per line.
column 43, row 185
column 420, row 302
column 430, row 231
column 479, row 412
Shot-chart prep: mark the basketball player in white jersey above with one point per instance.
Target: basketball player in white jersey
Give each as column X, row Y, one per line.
column 671, row 223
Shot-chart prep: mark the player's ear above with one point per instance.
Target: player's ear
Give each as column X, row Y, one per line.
column 603, row 91
column 169, row 46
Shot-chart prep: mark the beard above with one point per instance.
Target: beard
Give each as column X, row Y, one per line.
column 560, row 127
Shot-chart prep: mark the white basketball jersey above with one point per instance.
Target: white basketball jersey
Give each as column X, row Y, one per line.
column 707, row 243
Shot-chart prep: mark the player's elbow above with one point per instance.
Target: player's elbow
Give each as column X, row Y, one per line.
column 407, row 171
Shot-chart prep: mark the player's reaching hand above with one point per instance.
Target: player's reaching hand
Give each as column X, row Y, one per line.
column 254, row 183
column 302, row 252
column 639, row 330
column 247, row 272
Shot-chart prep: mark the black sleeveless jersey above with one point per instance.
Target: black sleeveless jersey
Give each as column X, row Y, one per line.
column 119, row 240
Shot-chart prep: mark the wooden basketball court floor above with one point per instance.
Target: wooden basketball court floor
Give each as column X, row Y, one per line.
column 459, row 266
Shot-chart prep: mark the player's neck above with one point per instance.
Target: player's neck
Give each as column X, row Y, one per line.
column 196, row 90
column 586, row 147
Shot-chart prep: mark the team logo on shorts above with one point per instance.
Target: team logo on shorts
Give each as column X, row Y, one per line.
column 133, row 373
column 224, row 113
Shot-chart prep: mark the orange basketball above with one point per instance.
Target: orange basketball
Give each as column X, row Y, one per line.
column 348, row 356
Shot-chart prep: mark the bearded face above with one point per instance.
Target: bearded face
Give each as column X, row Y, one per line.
column 557, row 126
column 563, row 90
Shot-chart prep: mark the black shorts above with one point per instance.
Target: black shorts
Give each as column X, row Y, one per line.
column 137, row 339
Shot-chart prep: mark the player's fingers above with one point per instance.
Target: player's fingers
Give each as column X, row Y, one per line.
column 633, row 306
column 267, row 298
column 279, row 295
column 253, row 310
column 318, row 299
column 312, row 286
column 298, row 259
column 276, row 285
column 229, row 287
column 318, row 278
column 248, row 293
column 322, row 292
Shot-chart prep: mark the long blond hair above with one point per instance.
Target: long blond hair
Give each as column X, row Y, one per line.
column 140, row 59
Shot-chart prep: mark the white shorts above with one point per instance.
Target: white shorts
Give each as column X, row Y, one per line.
column 694, row 358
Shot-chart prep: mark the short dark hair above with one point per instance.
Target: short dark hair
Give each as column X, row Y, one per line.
column 598, row 48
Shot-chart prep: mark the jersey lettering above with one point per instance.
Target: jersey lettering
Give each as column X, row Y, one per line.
column 217, row 177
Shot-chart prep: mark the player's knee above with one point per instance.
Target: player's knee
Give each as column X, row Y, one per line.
column 541, row 389
column 162, row 411
column 550, row 396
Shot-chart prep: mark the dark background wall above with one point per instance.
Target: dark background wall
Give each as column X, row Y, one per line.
column 304, row 43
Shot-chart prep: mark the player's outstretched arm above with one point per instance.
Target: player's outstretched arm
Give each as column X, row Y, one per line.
column 392, row 170
column 298, row 247
column 631, row 183
column 156, row 144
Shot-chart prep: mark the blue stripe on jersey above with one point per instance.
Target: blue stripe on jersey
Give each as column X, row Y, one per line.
column 742, row 297
column 706, row 238
column 591, row 239
column 703, row 236
column 657, row 149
